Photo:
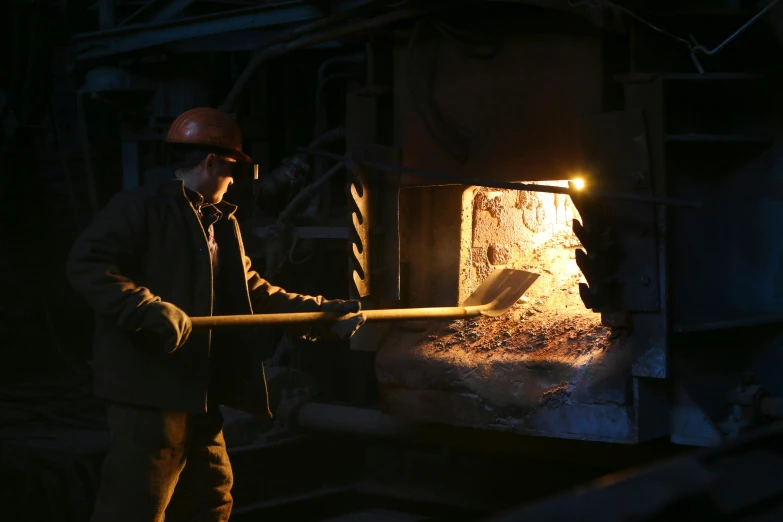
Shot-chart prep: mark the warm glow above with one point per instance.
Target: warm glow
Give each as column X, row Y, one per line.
column 579, row 183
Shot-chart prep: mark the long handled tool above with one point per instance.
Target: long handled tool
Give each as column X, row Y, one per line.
column 492, row 298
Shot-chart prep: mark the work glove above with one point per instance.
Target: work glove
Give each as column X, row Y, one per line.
column 344, row 328
column 171, row 324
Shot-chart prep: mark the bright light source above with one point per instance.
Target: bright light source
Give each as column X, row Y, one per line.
column 579, row 183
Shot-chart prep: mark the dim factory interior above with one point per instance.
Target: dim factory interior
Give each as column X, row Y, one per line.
column 628, row 153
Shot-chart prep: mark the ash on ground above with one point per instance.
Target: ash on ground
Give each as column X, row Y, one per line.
column 526, row 330
column 513, row 365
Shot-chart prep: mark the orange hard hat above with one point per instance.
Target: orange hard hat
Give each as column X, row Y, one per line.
column 208, row 127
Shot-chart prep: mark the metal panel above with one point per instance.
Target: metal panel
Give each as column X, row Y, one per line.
column 651, row 331
column 517, row 113
column 616, row 145
column 595, row 422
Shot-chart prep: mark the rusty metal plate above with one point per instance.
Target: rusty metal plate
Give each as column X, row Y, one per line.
column 512, row 117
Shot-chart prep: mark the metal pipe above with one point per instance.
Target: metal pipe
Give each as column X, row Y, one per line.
column 336, row 134
column 320, row 118
column 286, row 173
column 460, row 180
column 322, row 200
column 321, row 122
column 353, row 58
column 306, row 41
column 307, row 193
column 348, row 419
column 711, row 52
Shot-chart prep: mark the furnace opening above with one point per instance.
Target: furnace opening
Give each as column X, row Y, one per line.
column 528, row 231
column 547, row 355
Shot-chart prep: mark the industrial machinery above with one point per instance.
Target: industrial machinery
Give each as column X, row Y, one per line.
column 627, row 152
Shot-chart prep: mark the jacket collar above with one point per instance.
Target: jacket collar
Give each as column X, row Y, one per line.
column 176, row 188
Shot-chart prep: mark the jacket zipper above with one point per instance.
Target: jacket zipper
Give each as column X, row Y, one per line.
column 211, row 295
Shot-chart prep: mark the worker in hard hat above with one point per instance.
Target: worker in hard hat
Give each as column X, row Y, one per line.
column 151, row 259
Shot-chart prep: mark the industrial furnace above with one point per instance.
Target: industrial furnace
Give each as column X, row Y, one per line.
column 651, row 277
column 611, row 344
column 547, row 367
column 406, row 150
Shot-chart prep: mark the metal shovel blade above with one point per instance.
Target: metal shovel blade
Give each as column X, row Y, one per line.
column 492, row 298
column 502, row 289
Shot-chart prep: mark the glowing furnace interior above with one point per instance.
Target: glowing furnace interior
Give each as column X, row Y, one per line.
column 548, row 366
column 523, row 230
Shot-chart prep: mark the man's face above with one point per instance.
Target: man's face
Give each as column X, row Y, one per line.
column 217, row 177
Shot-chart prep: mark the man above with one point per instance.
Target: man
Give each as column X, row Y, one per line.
column 154, row 257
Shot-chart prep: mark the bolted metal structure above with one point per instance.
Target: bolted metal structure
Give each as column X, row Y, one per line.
column 674, row 225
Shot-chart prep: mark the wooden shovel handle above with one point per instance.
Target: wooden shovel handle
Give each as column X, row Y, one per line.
column 400, row 314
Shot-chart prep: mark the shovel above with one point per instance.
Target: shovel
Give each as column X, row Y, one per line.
column 492, row 298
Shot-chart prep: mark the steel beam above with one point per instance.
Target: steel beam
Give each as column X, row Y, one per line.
column 132, row 38
column 450, row 179
column 170, row 10
column 107, row 14
column 237, row 41
column 158, row 11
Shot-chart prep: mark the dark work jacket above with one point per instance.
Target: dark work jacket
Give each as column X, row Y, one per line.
column 148, row 245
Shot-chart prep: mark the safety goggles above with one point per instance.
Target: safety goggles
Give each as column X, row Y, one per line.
column 240, row 169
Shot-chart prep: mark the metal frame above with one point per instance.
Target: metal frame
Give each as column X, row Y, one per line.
column 132, row 38
column 481, row 182
column 161, row 13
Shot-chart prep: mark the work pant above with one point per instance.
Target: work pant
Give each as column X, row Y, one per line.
column 164, row 463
